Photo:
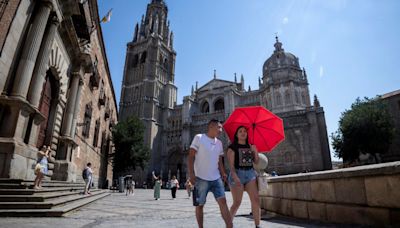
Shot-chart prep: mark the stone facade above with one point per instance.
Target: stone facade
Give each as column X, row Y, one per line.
column 393, row 102
column 55, row 89
column 149, row 93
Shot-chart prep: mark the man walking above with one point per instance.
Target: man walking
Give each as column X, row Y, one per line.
column 205, row 170
column 87, row 174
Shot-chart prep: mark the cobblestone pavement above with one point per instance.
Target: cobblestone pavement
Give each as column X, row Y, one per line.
column 141, row 210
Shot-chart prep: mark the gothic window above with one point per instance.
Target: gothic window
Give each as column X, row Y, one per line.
column 297, row 97
column 205, row 108
column 96, row 132
column 219, row 105
column 143, row 57
column 303, row 97
column 135, row 60
column 165, row 64
column 287, row 97
column 86, row 120
column 278, row 99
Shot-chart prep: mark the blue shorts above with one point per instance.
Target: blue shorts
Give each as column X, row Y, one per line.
column 245, row 176
column 202, row 187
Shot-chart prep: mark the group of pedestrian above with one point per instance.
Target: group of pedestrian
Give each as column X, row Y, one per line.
column 173, row 183
column 207, row 172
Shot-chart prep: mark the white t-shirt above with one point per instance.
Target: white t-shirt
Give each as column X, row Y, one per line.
column 207, row 156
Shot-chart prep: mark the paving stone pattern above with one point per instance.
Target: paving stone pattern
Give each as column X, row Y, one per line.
column 141, row 210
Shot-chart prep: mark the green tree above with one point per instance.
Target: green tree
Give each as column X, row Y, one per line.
column 130, row 151
column 365, row 128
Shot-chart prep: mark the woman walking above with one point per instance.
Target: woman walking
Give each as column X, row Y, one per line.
column 174, row 186
column 41, row 168
column 157, row 186
column 242, row 177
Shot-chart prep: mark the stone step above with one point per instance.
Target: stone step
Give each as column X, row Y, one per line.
column 56, row 211
column 15, row 181
column 47, row 204
column 13, row 186
column 40, row 197
column 33, row 191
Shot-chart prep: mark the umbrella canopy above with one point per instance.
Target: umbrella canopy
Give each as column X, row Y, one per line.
column 264, row 129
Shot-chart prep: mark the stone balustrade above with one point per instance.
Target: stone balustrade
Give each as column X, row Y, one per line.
column 366, row 195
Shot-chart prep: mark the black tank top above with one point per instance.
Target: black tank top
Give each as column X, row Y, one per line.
column 243, row 156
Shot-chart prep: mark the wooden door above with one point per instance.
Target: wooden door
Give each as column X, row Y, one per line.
column 44, row 108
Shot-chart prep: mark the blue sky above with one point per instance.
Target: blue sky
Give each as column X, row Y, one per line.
column 349, row 48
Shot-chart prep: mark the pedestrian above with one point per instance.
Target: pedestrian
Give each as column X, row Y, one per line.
column 41, row 167
column 189, row 188
column 206, row 169
column 157, row 186
column 242, row 177
column 174, row 183
column 129, row 185
column 87, row 175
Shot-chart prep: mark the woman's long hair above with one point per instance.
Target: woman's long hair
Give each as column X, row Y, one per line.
column 236, row 139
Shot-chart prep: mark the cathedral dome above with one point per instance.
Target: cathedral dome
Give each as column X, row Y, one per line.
column 280, row 59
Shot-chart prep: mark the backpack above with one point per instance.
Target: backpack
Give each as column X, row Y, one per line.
column 85, row 173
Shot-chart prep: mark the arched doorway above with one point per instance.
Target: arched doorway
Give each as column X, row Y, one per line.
column 47, row 108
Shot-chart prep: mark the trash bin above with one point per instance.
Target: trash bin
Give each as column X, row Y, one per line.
column 121, row 184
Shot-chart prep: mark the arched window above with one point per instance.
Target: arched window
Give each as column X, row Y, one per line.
column 287, row 97
column 96, row 132
column 143, row 57
column 297, row 97
column 219, row 105
column 278, row 99
column 205, row 108
column 166, row 63
column 87, row 119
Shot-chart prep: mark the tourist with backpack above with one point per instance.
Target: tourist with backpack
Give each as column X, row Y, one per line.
column 87, row 174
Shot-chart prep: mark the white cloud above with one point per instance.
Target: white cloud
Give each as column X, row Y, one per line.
column 321, row 71
column 285, row 20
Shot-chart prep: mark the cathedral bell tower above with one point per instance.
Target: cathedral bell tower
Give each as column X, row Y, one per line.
column 148, row 89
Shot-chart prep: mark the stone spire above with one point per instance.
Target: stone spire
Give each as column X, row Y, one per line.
column 135, row 35
column 215, row 74
column 235, row 78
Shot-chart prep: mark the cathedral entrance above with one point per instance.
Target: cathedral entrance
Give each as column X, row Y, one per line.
column 47, row 107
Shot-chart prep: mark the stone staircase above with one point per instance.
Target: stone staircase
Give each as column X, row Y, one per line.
column 55, row 199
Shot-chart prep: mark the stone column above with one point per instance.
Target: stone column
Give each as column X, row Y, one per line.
column 30, row 51
column 76, row 108
column 39, row 74
column 69, row 111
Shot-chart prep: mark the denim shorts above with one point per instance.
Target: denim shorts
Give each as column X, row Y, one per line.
column 245, row 176
column 202, row 187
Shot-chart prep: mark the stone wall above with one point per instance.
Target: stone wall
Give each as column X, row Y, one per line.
column 366, row 195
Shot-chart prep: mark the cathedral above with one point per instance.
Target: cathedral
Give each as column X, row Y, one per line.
column 148, row 92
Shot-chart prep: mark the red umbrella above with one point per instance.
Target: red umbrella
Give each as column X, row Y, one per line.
column 264, row 129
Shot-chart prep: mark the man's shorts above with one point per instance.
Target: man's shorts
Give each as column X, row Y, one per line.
column 202, row 187
column 245, row 176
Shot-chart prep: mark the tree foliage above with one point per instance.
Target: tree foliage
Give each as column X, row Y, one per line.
column 130, row 151
column 365, row 128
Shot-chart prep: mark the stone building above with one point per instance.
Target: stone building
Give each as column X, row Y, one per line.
column 393, row 102
column 148, row 91
column 55, row 89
